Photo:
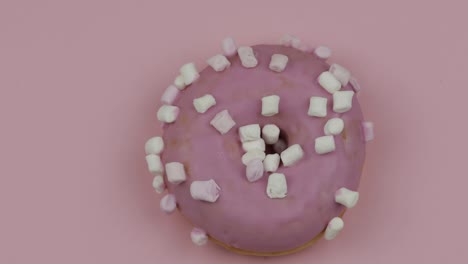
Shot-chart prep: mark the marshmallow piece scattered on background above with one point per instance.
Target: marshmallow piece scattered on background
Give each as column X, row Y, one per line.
column 258, row 144
column 168, row 113
column 202, row 104
column 175, row 172
column 198, row 236
column 334, row 126
column 341, row 73
column 333, row 228
column 292, row 155
column 170, row 94
column 278, row 62
column 168, row 203
column 286, row 40
column 249, row 132
column 251, row 155
column 154, row 145
column 271, row 162
column 158, row 184
column 277, row 186
column 329, row 82
column 368, row 130
column 229, row 47
column 296, row 43
column 254, row 170
column 270, row 105
column 207, row 191
column 270, row 133
column 189, row 72
column 280, row 146
column 355, row 84
column 223, row 122
column 342, row 101
column 324, row 144
column 218, row 62
column 317, row 106
column 154, row 164
column 346, row 197
column 323, row 52
column 247, row 57
column 179, row 82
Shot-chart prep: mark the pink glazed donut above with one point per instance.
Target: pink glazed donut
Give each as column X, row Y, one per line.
column 284, row 194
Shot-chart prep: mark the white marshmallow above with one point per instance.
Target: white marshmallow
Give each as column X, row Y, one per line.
column 278, row 62
column 355, row 84
column 277, row 186
column 207, row 191
column 323, row 52
column 317, row 106
column 223, row 122
column 170, row 94
column 280, row 146
column 334, row 126
column 158, row 184
column 368, row 130
column 292, row 155
column 179, row 82
column 249, row 132
column 286, row 40
column 218, row 62
column 247, row 57
column 229, row 47
column 346, row 197
column 154, row 164
column 341, row 73
column 154, row 145
column 175, row 172
column 271, row 162
column 168, row 203
column 189, row 72
column 270, row 105
column 324, row 144
column 254, row 170
column 329, row 82
column 198, row 236
column 333, row 228
column 168, row 113
column 256, row 144
column 342, row 101
column 202, row 104
column 270, row 133
column 251, row 155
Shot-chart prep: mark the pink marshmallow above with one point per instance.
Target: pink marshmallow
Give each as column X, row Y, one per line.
column 229, row 47
column 323, row 52
column 247, row 57
column 168, row 203
column 198, row 236
column 354, row 83
column 170, row 94
column 207, row 191
column 254, row 170
column 368, row 130
column 223, row 122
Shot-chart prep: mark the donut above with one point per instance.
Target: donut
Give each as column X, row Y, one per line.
column 262, row 151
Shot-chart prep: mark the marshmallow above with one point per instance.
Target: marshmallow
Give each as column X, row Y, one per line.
column 354, row 83
column 346, row 197
column 158, row 184
column 280, row 146
column 329, row 82
column 189, row 72
column 247, row 57
column 229, row 47
column 168, row 203
column 207, row 191
column 342, row 101
column 175, row 172
column 254, row 170
column 368, row 130
column 333, row 126
column 317, row 106
column 218, row 62
column 154, row 164
column 333, row 228
column 202, row 104
column 323, row 52
column 270, row 105
column 251, row 145
column 249, row 132
column 170, row 94
column 324, row 144
column 168, row 113
column 292, row 155
column 278, row 62
column 223, row 122
column 270, row 133
column 198, row 236
column 341, row 73
column 251, row 155
column 296, row 43
column 271, row 162
column 154, row 145
column 277, row 186
column 179, row 82
column 286, row 40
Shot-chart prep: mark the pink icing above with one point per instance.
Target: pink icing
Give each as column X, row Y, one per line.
column 243, row 216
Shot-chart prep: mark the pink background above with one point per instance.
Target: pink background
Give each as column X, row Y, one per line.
column 79, row 88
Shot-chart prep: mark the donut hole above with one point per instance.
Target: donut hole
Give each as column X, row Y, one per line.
column 279, row 146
